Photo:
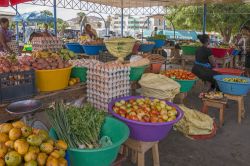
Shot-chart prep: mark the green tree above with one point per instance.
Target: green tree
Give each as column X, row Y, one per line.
column 81, row 15
column 61, row 24
column 47, row 12
column 223, row 18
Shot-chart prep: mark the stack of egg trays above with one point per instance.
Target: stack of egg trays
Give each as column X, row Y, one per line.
column 105, row 84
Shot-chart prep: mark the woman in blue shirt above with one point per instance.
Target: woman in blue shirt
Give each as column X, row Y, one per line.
column 204, row 62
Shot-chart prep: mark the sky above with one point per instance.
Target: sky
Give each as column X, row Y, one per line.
column 23, row 8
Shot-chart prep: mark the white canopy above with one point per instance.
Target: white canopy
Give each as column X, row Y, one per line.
column 150, row 3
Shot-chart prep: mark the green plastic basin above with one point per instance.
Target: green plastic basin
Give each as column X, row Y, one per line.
column 189, row 50
column 136, row 73
column 186, row 85
column 79, row 72
column 116, row 130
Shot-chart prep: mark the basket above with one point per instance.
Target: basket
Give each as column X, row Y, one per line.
column 120, row 47
column 221, row 52
column 93, row 49
column 75, row 47
column 146, row 47
column 52, row 80
column 186, row 85
column 158, row 42
column 116, row 130
column 147, row 132
column 229, row 71
column 136, row 73
column 232, row 87
column 79, row 72
column 189, row 50
column 17, row 86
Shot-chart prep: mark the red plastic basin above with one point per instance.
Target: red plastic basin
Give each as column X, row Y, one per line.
column 221, row 52
column 229, row 71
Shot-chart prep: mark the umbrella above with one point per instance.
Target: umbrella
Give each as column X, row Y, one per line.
column 6, row 3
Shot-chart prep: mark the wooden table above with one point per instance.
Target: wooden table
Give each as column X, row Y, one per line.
column 71, row 93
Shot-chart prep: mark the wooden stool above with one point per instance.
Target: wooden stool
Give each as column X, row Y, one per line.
column 241, row 108
column 139, row 148
column 220, row 104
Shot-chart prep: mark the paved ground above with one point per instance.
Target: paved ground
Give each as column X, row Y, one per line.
column 230, row 147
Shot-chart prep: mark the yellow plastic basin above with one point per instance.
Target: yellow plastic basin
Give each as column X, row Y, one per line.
column 52, row 80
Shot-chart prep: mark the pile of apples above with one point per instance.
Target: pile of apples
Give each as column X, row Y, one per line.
column 21, row 145
column 145, row 110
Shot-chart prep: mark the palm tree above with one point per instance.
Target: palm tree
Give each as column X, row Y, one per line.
column 81, row 15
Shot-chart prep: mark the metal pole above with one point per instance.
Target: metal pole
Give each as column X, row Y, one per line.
column 55, row 21
column 17, row 30
column 122, row 18
column 204, row 18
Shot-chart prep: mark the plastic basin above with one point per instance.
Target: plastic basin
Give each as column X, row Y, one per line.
column 79, row 72
column 136, row 73
column 158, row 43
column 93, row 49
column 146, row 47
column 221, row 52
column 189, row 50
column 156, row 67
column 148, row 132
column 186, row 85
column 116, row 130
column 232, row 88
column 229, row 71
column 75, row 47
column 52, row 80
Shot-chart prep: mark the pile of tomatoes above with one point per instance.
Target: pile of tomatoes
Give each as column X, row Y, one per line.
column 145, row 110
column 179, row 74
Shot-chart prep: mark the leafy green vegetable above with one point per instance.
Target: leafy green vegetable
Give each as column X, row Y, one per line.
column 158, row 37
column 79, row 127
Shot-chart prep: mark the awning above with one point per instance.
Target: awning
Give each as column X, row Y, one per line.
column 150, row 3
column 6, row 3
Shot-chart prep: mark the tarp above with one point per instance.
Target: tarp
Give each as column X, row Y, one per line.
column 33, row 17
column 6, row 3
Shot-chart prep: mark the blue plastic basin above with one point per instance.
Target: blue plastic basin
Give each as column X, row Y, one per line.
column 93, row 49
column 146, row 47
column 75, row 47
column 233, row 88
column 158, row 43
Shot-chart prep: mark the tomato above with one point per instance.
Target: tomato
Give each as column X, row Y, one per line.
column 153, row 119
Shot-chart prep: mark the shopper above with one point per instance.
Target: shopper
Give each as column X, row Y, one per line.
column 204, row 62
column 154, row 32
column 89, row 31
column 5, row 37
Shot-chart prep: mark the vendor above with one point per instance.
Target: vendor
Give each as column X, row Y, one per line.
column 89, row 31
column 46, row 32
column 154, row 32
column 204, row 62
column 5, row 37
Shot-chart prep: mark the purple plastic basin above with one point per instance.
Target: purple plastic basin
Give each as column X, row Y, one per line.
column 147, row 132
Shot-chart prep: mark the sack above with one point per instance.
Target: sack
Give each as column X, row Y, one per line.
column 194, row 122
column 158, row 86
